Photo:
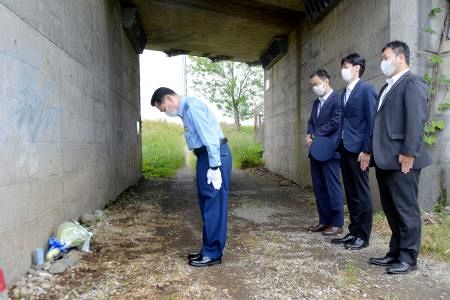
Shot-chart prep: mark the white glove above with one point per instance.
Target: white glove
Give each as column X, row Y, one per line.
column 214, row 177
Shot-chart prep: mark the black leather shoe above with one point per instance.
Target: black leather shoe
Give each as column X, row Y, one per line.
column 194, row 255
column 386, row 261
column 348, row 238
column 400, row 267
column 357, row 244
column 205, row 261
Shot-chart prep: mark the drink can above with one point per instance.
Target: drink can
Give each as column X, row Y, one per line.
column 38, row 256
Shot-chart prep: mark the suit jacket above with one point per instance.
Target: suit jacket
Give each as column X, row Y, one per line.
column 399, row 124
column 357, row 117
column 328, row 122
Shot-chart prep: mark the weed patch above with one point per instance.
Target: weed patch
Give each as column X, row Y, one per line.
column 162, row 148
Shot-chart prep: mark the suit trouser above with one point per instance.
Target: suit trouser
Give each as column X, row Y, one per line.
column 328, row 191
column 357, row 193
column 398, row 192
column 214, row 203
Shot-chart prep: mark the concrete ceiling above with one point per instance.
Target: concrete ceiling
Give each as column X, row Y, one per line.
column 221, row 29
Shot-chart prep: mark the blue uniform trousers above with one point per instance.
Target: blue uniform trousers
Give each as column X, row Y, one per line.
column 328, row 192
column 214, row 203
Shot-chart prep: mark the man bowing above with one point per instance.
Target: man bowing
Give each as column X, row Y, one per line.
column 205, row 138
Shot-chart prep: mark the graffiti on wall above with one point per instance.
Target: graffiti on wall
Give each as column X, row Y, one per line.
column 30, row 114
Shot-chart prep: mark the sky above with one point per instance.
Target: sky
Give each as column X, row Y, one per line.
column 157, row 69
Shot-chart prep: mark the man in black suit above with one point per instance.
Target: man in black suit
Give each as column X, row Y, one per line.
column 358, row 110
column 322, row 137
column 399, row 155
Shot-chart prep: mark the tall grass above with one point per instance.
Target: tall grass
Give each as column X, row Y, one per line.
column 436, row 239
column 435, row 236
column 162, row 148
column 247, row 153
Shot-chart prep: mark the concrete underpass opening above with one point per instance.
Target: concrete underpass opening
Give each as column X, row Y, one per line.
column 69, row 90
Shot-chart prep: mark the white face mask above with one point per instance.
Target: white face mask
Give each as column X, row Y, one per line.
column 319, row 90
column 171, row 113
column 346, row 74
column 387, row 67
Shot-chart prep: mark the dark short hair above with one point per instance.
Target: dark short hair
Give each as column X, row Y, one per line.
column 159, row 95
column 399, row 47
column 355, row 60
column 321, row 73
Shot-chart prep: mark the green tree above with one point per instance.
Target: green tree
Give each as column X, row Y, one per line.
column 235, row 88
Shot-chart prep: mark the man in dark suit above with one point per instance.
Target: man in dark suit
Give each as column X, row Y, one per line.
column 358, row 110
column 323, row 136
column 399, row 155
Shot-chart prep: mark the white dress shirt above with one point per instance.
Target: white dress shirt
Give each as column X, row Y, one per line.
column 391, row 81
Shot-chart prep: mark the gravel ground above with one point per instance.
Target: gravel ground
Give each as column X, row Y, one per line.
column 139, row 248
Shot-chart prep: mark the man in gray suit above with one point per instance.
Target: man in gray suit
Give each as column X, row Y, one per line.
column 399, row 155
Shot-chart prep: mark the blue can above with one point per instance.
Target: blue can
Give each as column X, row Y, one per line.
column 38, row 256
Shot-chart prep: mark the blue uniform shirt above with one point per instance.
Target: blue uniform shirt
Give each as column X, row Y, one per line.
column 201, row 128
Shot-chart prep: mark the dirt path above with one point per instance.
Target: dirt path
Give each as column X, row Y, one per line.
column 139, row 250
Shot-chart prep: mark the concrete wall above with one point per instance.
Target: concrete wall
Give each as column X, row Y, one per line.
column 282, row 136
column 352, row 26
column 69, row 98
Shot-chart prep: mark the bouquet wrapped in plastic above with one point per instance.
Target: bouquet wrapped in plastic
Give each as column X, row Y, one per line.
column 69, row 235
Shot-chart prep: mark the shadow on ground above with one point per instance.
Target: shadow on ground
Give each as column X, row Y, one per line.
column 139, row 250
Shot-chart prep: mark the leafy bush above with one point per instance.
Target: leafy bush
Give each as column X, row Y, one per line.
column 247, row 153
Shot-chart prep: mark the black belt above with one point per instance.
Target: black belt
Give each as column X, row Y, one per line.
column 202, row 149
